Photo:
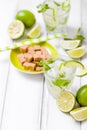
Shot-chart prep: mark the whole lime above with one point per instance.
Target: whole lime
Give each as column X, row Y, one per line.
column 27, row 17
column 81, row 95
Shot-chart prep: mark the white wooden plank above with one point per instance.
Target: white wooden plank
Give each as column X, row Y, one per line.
column 74, row 21
column 74, row 18
column 5, row 10
column 23, row 101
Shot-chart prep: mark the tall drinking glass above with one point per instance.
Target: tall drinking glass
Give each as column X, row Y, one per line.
column 59, row 77
column 56, row 15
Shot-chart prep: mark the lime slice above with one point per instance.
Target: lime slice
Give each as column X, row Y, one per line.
column 34, row 32
column 77, row 53
column 74, row 63
column 79, row 114
column 66, row 101
column 16, row 29
column 70, row 44
column 82, row 72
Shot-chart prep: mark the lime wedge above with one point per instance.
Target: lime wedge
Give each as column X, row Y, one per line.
column 82, row 72
column 66, row 101
column 16, row 29
column 34, row 32
column 70, row 44
column 74, row 63
column 79, row 114
column 77, row 53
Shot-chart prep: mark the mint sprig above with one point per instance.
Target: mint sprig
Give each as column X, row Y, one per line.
column 66, row 5
column 61, row 83
column 56, row 3
column 42, row 8
column 45, row 64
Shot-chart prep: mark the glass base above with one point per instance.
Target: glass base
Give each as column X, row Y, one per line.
column 57, row 30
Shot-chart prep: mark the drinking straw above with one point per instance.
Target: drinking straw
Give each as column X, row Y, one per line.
column 31, row 41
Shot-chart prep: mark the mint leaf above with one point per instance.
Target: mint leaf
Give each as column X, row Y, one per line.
column 61, row 82
column 42, row 8
column 79, row 31
column 56, row 3
column 61, row 75
column 66, row 38
column 79, row 37
column 50, row 61
column 45, row 65
column 41, row 63
column 66, row 5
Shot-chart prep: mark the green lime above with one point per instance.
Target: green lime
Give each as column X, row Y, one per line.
column 34, row 32
column 77, row 53
column 26, row 17
column 79, row 114
column 16, row 29
column 81, row 95
column 70, row 44
column 66, row 101
column 74, row 63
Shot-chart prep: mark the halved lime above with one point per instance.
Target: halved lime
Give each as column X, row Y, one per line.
column 77, row 53
column 70, row 44
column 82, row 72
column 16, row 29
column 81, row 95
column 66, row 101
column 74, row 63
column 34, row 32
column 79, row 114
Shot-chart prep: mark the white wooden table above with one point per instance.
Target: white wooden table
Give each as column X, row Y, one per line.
column 25, row 103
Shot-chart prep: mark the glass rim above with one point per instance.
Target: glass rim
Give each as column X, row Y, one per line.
column 59, row 15
column 62, row 58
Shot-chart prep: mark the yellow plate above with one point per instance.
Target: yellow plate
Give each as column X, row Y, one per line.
column 15, row 62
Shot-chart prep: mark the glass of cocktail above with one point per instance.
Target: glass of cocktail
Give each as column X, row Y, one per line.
column 59, row 77
column 55, row 15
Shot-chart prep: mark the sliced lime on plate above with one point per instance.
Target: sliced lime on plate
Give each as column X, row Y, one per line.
column 66, row 101
column 79, row 114
column 77, row 53
column 16, row 29
column 69, row 44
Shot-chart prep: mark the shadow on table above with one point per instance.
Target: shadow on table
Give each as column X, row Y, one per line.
column 33, row 77
column 71, row 31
